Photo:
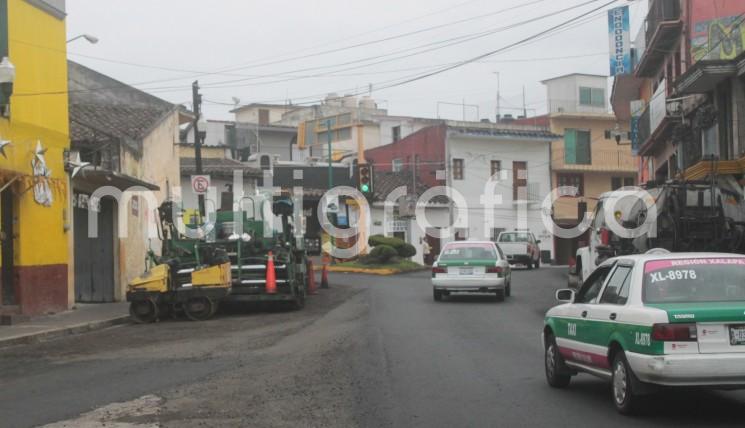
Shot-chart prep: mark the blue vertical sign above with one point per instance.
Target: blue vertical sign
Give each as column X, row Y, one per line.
column 619, row 30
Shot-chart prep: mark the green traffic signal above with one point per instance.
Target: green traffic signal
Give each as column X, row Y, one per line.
column 365, row 188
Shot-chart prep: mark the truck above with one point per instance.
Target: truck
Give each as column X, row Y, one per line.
column 520, row 247
column 690, row 216
column 238, row 257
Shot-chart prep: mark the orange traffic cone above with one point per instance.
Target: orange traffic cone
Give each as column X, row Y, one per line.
column 312, row 288
column 271, row 275
column 325, row 276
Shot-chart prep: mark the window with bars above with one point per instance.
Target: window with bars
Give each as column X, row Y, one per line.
column 457, row 169
column 572, row 180
column 496, row 169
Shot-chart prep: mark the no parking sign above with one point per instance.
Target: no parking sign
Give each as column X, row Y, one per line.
column 200, row 184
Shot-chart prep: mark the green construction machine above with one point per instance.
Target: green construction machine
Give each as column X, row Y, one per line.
column 268, row 263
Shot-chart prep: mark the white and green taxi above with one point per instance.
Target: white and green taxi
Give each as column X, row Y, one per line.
column 471, row 267
column 650, row 321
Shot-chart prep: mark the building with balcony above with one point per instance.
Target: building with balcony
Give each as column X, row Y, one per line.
column 588, row 158
column 687, row 97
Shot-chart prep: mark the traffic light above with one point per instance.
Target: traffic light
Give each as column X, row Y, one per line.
column 365, row 184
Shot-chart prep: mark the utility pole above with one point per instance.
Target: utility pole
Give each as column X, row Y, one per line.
column 331, row 165
column 499, row 113
column 197, row 100
column 525, row 109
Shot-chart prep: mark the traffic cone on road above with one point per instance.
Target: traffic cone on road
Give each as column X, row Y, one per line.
column 312, row 287
column 271, row 275
column 325, row 276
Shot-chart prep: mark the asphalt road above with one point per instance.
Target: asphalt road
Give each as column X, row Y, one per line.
column 369, row 352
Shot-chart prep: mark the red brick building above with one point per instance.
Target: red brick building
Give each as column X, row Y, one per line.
column 423, row 151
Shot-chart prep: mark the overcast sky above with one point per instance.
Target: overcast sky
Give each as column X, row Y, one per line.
column 249, row 49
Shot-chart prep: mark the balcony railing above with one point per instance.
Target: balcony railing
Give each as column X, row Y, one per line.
column 662, row 30
column 574, row 107
column 644, row 128
column 661, row 11
column 620, row 160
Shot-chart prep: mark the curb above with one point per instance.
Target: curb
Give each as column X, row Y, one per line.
column 50, row 334
column 378, row 272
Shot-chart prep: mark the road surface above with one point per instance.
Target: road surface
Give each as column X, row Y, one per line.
column 372, row 351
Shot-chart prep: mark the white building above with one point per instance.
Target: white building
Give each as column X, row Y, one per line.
column 503, row 174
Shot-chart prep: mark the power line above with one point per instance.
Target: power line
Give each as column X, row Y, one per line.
column 453, row 41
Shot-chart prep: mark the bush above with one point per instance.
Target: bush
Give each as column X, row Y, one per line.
column 382, row 254
column 378, row 240
column 406, row 251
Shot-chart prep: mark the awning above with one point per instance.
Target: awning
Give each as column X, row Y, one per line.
column 100, row 178
column 705, row 75
column 625, row 90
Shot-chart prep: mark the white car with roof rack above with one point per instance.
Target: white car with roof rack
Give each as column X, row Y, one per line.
column 650, row 321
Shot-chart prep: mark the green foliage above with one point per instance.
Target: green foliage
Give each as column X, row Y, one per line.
column 382, row 254
column 377, row 240
column 406, row 251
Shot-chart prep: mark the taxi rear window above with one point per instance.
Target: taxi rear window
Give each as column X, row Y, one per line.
column 694, row 280
column 468, row 251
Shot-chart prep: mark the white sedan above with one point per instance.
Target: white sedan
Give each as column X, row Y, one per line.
column 471, row 267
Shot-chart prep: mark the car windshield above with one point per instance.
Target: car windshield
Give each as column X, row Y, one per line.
column 468, row 251
column 694, row 280
column 514, row 237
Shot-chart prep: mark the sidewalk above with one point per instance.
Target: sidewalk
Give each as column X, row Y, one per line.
column 85, row 317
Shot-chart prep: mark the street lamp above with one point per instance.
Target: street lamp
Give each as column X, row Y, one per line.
column 90, row 38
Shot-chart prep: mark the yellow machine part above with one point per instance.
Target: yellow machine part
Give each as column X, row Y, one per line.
column 213, row 276
column 155, row 280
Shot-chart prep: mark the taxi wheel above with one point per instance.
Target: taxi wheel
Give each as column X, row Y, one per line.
column 437, row 295
column 508, row 289
column 500, row 295
column 538, row 263
column 556, row 371
column 624, row 398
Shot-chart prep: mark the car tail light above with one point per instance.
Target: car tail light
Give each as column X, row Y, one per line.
column 604, row 236
column 436, row 270
column 674, row 332
column 494, row 269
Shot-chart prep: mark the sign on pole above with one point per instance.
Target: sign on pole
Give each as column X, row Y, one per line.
column 200, row 184
column 620, row 41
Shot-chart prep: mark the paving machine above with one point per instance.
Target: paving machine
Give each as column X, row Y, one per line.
column 255, row 251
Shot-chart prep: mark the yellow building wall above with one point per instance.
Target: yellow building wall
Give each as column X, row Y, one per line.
column 609, row 159
column 38, row 112
column 207, row 152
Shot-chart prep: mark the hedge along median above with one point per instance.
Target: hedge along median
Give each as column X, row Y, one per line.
column 388, row 256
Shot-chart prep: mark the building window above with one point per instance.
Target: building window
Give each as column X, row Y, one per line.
column 594, row 97
column 461, row 234
column 495, row 231
column 519, row 180
column 496, row 169
column 709, row 143
column 396, row 131
column 629, row 182
column 457, row 169
column 577, row 149
column 572, row 180
column 616, row 183
column 397, row 165
column 263, row 117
